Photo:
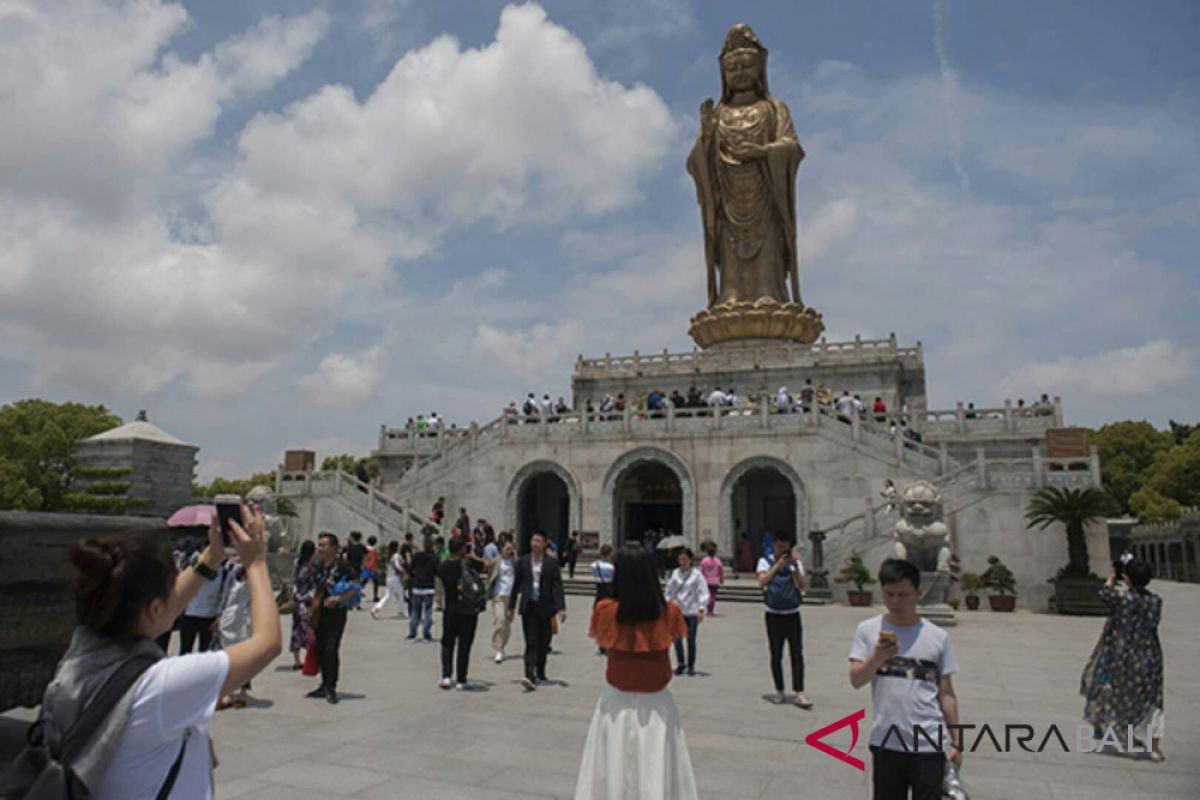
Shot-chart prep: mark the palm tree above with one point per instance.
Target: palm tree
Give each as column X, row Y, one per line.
column 1074, row 508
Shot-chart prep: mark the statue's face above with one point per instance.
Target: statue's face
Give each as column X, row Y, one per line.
column 741, row 71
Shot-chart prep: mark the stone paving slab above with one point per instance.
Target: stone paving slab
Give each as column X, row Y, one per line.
column 396, row 735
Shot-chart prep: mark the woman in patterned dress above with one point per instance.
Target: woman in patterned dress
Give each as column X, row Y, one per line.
column 304, row 588
column 1123, row 680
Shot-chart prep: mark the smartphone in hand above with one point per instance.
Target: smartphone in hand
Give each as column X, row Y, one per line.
column 229, row 507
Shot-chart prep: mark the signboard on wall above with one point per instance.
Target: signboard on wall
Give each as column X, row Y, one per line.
column 589, row 540
column 1066, row 443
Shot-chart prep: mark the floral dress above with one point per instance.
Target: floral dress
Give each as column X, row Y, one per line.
column 1123, row 680
column 304, row 588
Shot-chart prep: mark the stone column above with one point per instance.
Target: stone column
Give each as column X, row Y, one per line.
column 818, row 573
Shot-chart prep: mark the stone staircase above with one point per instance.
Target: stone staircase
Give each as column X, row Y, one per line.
column 393, row 516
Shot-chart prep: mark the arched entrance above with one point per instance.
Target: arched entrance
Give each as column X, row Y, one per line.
column 761, row 494
column 646, row 488
column 543, row 497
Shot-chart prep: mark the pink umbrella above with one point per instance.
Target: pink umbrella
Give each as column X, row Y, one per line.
column 190, row 516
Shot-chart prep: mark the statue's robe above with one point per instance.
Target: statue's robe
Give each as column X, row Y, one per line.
column 749, row 209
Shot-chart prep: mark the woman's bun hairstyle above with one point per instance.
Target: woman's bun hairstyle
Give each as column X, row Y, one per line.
column 117, row 578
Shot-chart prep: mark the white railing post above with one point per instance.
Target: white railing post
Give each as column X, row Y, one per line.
column 337, row 481
column 1058, row 414
column 1039, row 469
column 670, row 416
column 855, row 426
column 1010, row 422
column 898, row 442
column 960, row 418
column 764, row 411
column 279, row 479
column 814, row 412
column 625, row 418
column 473, row 432
column 1093, row 460
column 981, row 466
column 370, row 498
column 308, row 482
column 544, row 423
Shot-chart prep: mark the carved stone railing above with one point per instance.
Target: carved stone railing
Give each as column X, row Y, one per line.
column 363, row 497
column 775, row 354
column 1006, row 419
column 437, row 452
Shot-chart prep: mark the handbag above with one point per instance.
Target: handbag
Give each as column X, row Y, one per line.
column 312, row 664
column 283, row 600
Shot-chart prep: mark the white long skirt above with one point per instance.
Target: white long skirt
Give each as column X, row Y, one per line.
column 635, row 750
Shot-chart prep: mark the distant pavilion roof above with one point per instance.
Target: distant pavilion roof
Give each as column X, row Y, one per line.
column 139, row 429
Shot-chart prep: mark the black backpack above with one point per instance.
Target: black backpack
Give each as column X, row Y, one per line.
column 471, row 591
column 42, row 770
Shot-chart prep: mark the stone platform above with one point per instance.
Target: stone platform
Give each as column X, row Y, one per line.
column 396, row 735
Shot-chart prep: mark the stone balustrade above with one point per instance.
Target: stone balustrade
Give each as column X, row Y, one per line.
column 774, row 354
column 963, row 421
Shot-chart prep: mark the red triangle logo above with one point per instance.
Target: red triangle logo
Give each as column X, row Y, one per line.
column 814, row 739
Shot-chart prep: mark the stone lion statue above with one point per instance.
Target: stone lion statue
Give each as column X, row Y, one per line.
column 920, row 535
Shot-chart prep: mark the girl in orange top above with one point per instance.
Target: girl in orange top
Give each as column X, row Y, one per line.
column 635, row 746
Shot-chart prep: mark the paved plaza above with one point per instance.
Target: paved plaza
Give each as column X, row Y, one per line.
column 397, row 735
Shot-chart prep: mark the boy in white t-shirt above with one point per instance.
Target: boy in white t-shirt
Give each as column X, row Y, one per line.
column 908, row 662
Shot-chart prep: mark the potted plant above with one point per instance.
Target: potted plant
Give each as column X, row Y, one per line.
column 999, row 579
column 971, row 584
column 1075, row 587
column 856, row 572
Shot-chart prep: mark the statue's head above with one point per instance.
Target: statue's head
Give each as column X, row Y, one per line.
column 743, row 63
column 920, row 503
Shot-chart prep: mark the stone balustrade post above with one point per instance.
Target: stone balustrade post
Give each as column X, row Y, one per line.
column 943, row 458
column 473, row 433
column 608, row 362
column 370, row 498
column 892, row 342
column 1039, row 469
column 981, row 467
column 382, row 436
column 818, row 583
column 1093, row 461
column 279, row 479
column 855, row 427
column 716, row 417
column 764, row 411
column 1058, row 414
column 814, row 413
column 1010, row 421
column 412, row 436
column 670, row 416
column 625, row 418
column 543, row 424
column 637, row 360
column 898, row 443
column 960, row 418
column 585, row 419
column 308, row 482
column 337, row 481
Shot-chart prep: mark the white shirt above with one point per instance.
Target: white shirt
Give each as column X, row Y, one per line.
column 536, row 565
column 764, row 565
column 717, row 398
column 174, row 698
column 397, row 564
column 845, row 406
column 689, row 590
column 504, row 581
column 904, row 692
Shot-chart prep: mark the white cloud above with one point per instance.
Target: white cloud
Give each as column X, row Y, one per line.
column 527, row 351
column 831, row 222
column 111, row 279
column 345, row 380
column 1140, row 371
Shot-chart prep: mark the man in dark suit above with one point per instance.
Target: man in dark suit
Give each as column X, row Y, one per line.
column 537, row 581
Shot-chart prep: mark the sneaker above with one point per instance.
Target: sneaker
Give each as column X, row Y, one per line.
column 374, row 614
column 499, row 658
column 680, row 669
column 528, row 685
column 331, row 698
column 429, row 638
column 317, row 693
column 445, row 683
column 691, row 671
column 412, row 637
column 462, row 686
column 779, row 698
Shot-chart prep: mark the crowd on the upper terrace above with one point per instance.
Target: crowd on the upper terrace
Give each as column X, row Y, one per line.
column 845, row 407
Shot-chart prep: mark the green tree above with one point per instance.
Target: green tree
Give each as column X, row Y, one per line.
column 1074, row 508
column 1127, row 451
column 349, row 464
column 37, row 445
column 1150, row 506
column 1176, row 472
column 238, row 486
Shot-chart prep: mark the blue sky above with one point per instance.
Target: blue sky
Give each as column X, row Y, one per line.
column 281, row 224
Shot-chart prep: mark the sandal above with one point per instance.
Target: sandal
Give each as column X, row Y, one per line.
column 223, row 704
column 1157, row 756
column 239, row 703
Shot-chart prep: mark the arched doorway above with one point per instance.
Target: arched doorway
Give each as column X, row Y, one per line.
column 543, row 496
column 760, row 495
column 648, row 495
